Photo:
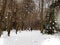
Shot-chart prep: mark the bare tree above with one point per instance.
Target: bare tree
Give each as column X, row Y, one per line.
column 41, row 14
column 23, row 13
column 2, row 21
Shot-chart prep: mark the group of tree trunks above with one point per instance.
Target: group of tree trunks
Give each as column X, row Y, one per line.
column 18, row 16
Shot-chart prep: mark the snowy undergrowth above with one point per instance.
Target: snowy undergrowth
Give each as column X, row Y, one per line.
column 29, row 38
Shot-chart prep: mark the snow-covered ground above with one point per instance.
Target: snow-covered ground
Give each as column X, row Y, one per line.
column 29, row 38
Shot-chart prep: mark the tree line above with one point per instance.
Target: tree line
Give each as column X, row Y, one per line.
column 22, row 15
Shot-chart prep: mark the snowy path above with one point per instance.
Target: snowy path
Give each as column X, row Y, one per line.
column 29, row 38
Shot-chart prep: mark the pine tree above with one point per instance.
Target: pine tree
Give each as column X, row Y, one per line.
column 51, row 22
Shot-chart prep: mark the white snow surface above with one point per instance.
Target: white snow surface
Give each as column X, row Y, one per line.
column 29, row 38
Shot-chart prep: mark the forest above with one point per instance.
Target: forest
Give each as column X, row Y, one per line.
column 29, row 15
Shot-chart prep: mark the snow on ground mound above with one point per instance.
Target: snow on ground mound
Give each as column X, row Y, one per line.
column 29, row 38
column 52, row 41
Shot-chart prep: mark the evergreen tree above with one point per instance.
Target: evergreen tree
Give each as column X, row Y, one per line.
column 51, row 22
